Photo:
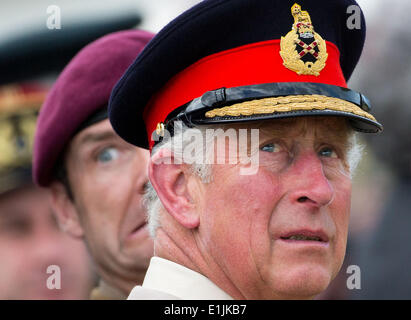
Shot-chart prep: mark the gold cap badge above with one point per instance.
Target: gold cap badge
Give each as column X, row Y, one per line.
column 302, row 49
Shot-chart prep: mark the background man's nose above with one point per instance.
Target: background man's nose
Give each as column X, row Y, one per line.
column 47, row 244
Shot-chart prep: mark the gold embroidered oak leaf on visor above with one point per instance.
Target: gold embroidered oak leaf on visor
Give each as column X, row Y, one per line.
column 287, row 104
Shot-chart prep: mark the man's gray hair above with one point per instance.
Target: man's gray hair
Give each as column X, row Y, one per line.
column 204, row 170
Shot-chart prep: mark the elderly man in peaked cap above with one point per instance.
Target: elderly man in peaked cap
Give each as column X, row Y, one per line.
column 226, row 226
column 96, row 179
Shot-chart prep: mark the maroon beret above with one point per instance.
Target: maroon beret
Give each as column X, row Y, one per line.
column 82, row 88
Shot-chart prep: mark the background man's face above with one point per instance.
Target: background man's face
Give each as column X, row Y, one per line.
column 302, row 188
column 108, row 176
column 30, row 241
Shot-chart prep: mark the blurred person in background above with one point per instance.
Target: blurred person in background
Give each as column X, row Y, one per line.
column 30, row 239
column 97, row 180
column 381, row 206
column 383, row 252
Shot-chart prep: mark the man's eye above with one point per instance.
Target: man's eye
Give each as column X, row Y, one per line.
column 107, row 155
column 327, row 152
column 271, row 147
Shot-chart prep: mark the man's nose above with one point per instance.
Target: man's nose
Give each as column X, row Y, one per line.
column 311, row 186
column 47, row 245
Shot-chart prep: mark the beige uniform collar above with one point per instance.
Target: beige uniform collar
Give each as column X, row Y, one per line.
column 106, row 292
column 172, row 278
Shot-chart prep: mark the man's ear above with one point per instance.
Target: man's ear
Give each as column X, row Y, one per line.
column 65, row 210
column 170, row 179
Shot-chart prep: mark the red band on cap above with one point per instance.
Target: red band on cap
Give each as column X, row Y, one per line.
column 250, row 64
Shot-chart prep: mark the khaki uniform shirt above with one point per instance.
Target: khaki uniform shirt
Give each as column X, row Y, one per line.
column 106, row 292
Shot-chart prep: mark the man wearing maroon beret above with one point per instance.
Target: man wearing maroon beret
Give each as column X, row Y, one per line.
column 96, row 179
column 32, row 248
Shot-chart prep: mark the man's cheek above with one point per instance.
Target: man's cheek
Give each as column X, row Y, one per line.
column 343, row 208
column 341, row 214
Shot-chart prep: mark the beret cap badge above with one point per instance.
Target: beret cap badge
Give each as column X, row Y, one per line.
column 303, row 50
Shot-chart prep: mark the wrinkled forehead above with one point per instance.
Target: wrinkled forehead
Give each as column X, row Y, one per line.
column 330, row 127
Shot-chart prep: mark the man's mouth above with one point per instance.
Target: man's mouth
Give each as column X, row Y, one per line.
column 302, row 237
column 138, row 231
column 305, row 235
column 137, row 228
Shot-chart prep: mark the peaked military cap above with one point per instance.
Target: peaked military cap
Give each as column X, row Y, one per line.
column 242, row 60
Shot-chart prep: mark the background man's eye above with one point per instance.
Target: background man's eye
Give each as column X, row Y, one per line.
column 271, row 147
column 108, row 154
column 18, row 227
column 327, row 152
